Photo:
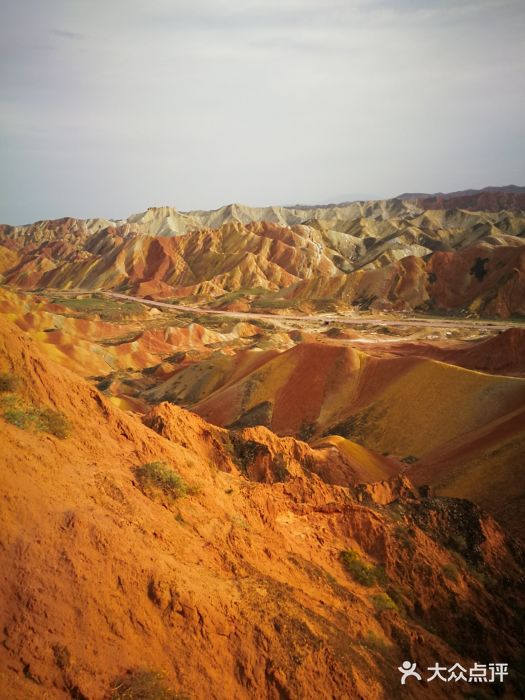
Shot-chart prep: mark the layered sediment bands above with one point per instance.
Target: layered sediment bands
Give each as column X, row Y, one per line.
column 389, row 254
column 388, row 404
column 503, row 353
column 487, row 280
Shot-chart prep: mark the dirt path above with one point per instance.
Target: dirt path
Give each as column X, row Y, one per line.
column 325, row 318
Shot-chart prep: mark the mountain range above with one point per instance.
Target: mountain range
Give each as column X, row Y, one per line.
column 387, row 254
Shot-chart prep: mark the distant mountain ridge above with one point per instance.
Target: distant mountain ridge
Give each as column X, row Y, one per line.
column 515, row 189
column 508, row 197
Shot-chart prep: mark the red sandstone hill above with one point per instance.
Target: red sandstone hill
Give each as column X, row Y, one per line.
column 383, row 412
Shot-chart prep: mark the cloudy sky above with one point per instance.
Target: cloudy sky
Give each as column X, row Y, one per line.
column 107, row 108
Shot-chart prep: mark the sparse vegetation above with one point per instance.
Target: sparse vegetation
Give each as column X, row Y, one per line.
column 374, row 643
column 41, row 419
column 26, row 416
column 129, row 337
column 106, row 308
column 158, row 476
column 396, row 594
column 361, row 571
column 240, row 522
column 53, row 422
column 382, row 601
column 144, row 685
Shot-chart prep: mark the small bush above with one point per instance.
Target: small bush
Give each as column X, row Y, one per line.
column 364, row 573
column 144, row 685
column 157, row 475
column 8, row 382
column 382, row 601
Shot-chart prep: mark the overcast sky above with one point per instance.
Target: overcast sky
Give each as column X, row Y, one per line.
column 109, row 107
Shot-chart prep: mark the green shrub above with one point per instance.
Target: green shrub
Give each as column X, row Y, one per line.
column 382, row 601
column 158, row 476
column 18, row 416
column 144, row 685
column 361, row 571
column 396, row 594
column 8, row 382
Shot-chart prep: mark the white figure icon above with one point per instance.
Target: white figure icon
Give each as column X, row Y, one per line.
column 408, row 669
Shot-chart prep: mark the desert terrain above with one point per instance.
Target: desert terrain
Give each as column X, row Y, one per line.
column 259, row 453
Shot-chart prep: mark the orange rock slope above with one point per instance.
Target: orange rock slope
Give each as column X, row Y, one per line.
column 236, row 589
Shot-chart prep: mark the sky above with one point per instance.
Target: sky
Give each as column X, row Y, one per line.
column 108, row 108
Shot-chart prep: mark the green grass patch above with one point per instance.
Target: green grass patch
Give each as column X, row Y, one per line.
column 272, row 304
column 144, row 685
column 158, row 476
column 361, row 571
column 26, row 416
column 108, row 309
column 40, row 419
